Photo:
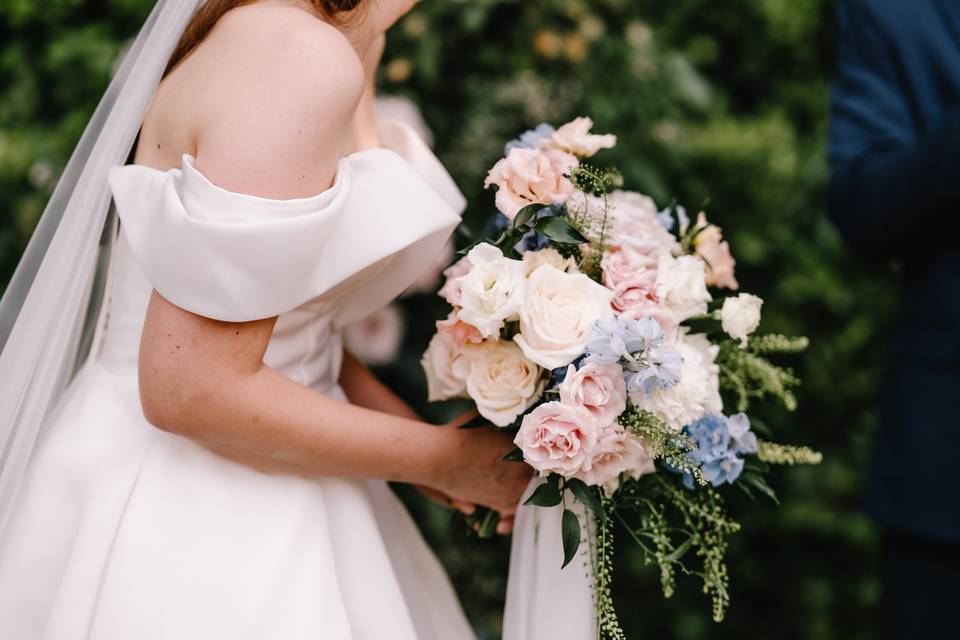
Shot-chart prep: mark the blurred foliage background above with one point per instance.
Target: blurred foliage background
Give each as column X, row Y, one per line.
column 720, row 104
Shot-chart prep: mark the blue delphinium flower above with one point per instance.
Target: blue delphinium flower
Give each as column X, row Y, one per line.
column 666, row 219
column 530, row 139
column 614, row 338
column 742, row 439
column 721, row 441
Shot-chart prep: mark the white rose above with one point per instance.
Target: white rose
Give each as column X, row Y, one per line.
column 493, row 290
column 558, row 311
column 682, row 286
column 534, row 259
column 697, row 393
column 443, row 382
column 499, row 379
column 740, row 316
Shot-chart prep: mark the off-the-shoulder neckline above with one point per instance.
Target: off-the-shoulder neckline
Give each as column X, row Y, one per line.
column 187, row 165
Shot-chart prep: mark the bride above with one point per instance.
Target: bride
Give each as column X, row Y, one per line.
column 217, row 466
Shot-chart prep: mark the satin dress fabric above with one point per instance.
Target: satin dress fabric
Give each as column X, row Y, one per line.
column 125, row 531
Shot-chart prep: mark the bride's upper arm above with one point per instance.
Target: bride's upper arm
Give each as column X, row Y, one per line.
column 273, row 121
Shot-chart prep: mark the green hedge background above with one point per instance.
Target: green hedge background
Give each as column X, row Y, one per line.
column 722, row 103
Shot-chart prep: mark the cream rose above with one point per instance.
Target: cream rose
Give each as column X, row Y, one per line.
column 575, row 137
column 531, row 176
column 551, row 256
column 492, row 291
column 597, row 387
column 556, row 317
column 682, row 286
column 499, row 379
column 558, row 438
column 740, row 316
column 443, row 382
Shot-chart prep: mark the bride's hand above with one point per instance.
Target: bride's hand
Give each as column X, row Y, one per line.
column 472, row 472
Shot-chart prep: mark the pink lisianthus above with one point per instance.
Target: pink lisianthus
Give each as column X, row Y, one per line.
column 715, row 251
column 597, row 387
column 459, row 331
column 558, row 438
column 632, row 294
column 575, row 137
column 531, row 176
column 450, row 291
column 618, row 452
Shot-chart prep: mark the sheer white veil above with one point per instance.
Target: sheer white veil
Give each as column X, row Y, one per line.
column 51, row 313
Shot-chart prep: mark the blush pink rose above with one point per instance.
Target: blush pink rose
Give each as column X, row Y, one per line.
column 531, row 176
column 459, row 331
column 597, row 387
column 633, row 294
column 558, row 438
column 625, row 263
column 715, row 251
column 618, row 452
column 450, row 291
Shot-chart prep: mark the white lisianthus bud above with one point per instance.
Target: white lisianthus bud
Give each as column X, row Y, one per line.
column 740, row 316
column 492, row 292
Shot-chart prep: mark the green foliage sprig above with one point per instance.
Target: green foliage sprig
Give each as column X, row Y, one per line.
column 665, row 443
column 775, row 453
column 748, row 374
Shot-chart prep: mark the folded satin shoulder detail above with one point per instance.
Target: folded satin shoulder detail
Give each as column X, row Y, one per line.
column 238, row 257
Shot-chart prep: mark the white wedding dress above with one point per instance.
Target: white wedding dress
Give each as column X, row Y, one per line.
column 126, row 532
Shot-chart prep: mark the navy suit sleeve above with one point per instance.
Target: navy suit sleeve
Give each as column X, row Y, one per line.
column 892, row 190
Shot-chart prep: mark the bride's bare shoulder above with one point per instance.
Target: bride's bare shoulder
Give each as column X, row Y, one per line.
column 274, row 92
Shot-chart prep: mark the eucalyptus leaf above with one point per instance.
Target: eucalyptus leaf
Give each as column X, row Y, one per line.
column 559, row 229
column 570, row 531
column 545, row 495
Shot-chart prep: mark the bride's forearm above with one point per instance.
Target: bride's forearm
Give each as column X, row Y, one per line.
column 267, row 421
column 365, row 390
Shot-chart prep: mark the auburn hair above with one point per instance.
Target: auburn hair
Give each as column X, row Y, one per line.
column 211, row 11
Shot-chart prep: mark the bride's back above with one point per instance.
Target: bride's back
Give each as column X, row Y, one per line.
column 268, row 75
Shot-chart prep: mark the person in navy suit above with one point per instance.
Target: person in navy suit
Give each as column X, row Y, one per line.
column 894, row 194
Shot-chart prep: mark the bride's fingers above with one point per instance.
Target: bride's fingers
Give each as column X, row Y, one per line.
column 505, row 525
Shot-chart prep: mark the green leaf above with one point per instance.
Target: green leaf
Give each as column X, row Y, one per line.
column 559, row 229
column 758, row 482
column 526, row 214
column 545, row 495
column 678, row 553
column 587, row 497
column 571, row 536
column 514, row 456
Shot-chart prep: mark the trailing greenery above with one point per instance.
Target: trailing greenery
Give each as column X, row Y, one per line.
column 667, row 521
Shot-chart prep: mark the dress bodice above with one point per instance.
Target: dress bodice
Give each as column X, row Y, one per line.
column 318, row 263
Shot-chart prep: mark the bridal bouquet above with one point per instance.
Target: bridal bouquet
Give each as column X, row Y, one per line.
column 600, row 330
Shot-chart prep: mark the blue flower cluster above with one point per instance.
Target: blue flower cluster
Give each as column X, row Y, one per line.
column 721, row 443
column 648, row 364
column 530, row 139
